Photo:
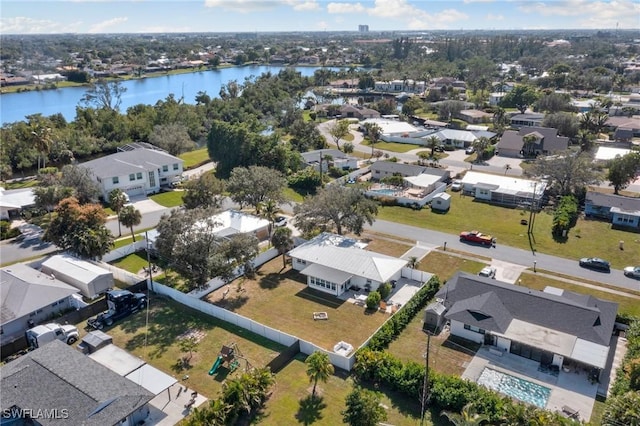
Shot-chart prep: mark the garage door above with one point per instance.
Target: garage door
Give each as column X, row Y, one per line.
column 135, row 190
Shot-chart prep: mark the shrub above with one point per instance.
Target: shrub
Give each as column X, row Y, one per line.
column 373, row 300
column 384, row 290
column 6, row 231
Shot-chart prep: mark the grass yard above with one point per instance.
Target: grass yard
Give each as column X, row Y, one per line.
column 290, row 402
column 293, row 195
column 158, row 344
column 281, row 299
column 168, row 199
column 389, row 246
column 194, row 158
column 587, row 238
column 393, row 146
column 628, row 304
column 132, row 263
column 19, row 184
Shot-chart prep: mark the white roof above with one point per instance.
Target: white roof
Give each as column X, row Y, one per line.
column 392, row 126
column 351, row 260
column 505, row 183
column 454, row 135
column 472, row 127
column 152, row 379
column 17, row 198
column 541, row 337
column 232, row 222
column 330, row 274
column 81, row 270
column 590, row 353
column 423, row 180
column 608, row 153
column 117, row 360
column 442, row 195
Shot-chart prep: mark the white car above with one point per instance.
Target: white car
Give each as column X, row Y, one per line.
column 488, row 272
column 632, row 271
column 280, row 221
column 456, row 185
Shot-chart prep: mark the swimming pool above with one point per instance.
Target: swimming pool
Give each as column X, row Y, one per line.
column 384, row 191
column 515, row 387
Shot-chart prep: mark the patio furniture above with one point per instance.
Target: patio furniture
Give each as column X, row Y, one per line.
column 320, row 316
column 570, row 412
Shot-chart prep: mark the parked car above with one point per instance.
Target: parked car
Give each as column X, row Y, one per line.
column 470, row 150
column 439, row 148
column 488, row 272
column 120, row 303
column 595, row 263
column 280, row 221
column 632, row 272
column 456, row 185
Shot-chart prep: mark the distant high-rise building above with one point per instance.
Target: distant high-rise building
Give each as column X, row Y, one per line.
column 363, row 28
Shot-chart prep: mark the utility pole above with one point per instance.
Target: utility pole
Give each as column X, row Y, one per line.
column 146, row 237
column 533, row 202
column 425, row 384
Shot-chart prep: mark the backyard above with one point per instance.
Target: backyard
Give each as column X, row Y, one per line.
column 587, row 238
column 194, row 158
column 157, row 342
column 280, row 298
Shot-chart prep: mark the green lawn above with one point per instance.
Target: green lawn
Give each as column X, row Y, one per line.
column 587, row 238
column 19, row 184
column 393, row 146
column 132, row 263
column 280, row 298
column 157, row 342
column 168, row 199
column 290, row 402
column 194, row 158
column 293, row 195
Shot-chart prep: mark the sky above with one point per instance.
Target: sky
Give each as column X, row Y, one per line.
column 162, row 16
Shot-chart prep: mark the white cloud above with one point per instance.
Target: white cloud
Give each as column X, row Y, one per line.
column 243, row 6
column 303, row 5
column 103, row 27
column 345, row 8
column 589, row 14
column 494, row 17
column 24, row 25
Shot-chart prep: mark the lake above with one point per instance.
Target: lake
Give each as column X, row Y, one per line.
column 16, row 106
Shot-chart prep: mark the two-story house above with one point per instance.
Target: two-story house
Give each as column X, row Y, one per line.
column 139, row 171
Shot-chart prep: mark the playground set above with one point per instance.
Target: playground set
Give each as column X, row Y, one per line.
column 231, row 355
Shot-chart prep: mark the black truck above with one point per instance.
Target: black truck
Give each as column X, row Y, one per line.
column 120, row 303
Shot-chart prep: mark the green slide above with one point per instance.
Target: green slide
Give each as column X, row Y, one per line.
column 215, row 365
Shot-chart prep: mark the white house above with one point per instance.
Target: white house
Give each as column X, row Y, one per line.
column 12, row 201
column 28, row 296
column 500, row 189
column 230, row 222
column 329, row 158
column 139, row 171
column 606, row 153
column 554, row 327
column 90, row 279
column 334, row 263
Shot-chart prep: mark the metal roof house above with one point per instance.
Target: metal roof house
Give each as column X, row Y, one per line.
column 12, row 201
column 554, row 326
column 90, row 279
column 138, row 171
column 505, row 190
column 70, row 388
column 28, row 296
column 333, row 263
column 329, row 158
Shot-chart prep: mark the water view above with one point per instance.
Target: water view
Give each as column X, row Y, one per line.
column 16, row 106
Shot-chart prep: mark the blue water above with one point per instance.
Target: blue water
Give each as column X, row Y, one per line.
column 515, row 387
column 384, row 191
column 16, row 106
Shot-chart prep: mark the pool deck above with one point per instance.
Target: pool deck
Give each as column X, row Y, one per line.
column 572, row 388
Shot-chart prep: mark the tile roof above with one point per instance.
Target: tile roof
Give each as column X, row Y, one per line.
column 56, row 376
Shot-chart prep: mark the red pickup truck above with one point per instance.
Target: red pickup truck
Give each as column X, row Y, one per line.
column 477, row 237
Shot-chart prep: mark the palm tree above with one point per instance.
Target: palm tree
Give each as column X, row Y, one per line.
column 422, row 156
column 480, row 145
column 528, row 140
column 374, row 131
column 117, row 200
column 507, row 167
column 283, row 242
column 268, row 210
column 130, row 217
column 413, row 262
column 319, row 367
column 41, row 137
column 467, row 417
column 432, row 143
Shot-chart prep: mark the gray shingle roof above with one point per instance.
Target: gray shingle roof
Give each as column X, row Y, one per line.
column 579, row 315
column 56, row 376
column 511, row 140
column 392, row 167
column 124, row 163
column 551, row 142
column 314, row 156
column 24, row 290
column 629, row 204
